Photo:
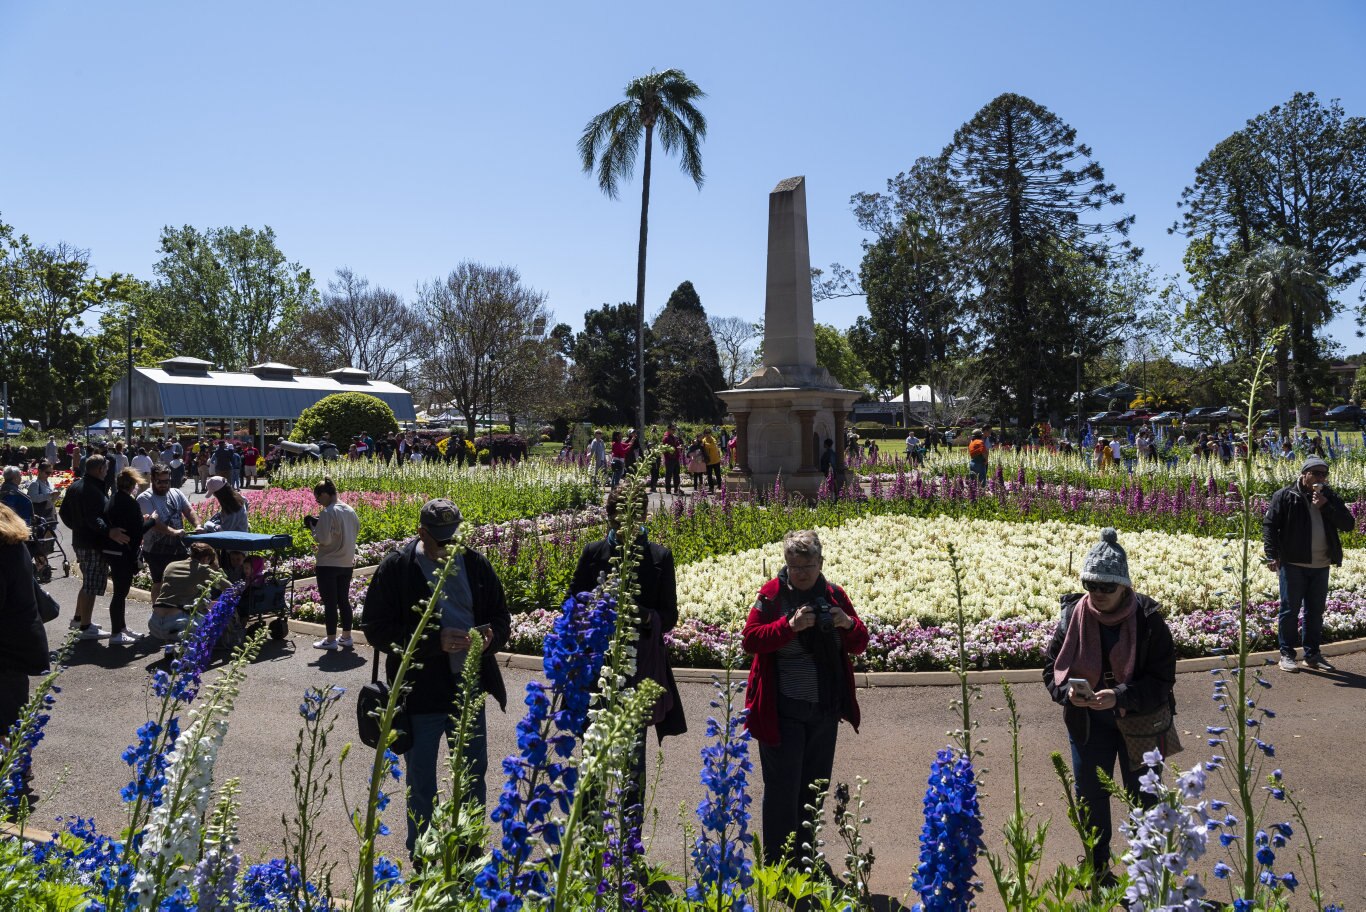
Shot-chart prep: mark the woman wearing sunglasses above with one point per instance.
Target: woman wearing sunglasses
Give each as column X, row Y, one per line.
column 1110, row 657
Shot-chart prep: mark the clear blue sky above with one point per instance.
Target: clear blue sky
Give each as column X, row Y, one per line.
column 400, row 138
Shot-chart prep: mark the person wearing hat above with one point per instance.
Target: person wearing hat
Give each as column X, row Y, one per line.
column 472, row 597
column 1300, row 540
column 232, row 509
column 1111, row 656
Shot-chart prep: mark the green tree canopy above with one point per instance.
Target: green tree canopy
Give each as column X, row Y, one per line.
column 689, row 368
column 49, row 297
column 227, row 295
column 605, row 369
column 835, row 354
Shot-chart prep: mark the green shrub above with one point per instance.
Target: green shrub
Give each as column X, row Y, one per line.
column 343, row 416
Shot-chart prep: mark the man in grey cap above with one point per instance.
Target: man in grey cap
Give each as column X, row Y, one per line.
column 1300, row 539
column 472, row 597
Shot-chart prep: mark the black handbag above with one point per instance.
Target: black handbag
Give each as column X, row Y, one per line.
column 370, row 704
column 48, row 609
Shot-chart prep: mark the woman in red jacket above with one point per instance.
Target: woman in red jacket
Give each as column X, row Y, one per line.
column 801, row 631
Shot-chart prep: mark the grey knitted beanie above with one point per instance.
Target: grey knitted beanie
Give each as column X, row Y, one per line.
column 1106, row 562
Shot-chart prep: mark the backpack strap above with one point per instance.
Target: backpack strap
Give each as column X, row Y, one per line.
column 374, row 668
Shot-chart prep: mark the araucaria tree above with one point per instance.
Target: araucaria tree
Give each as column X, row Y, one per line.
column 610, row 143
column 1025, row 196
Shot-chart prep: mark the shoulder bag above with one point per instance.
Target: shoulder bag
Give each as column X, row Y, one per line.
column 1147, row 731
column 370, row 704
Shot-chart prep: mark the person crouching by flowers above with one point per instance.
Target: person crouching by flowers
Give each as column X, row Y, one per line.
column 1110, row 658
column 472, row 597
column 802, row 633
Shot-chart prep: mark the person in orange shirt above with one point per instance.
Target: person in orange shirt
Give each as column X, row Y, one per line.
column 977, row 456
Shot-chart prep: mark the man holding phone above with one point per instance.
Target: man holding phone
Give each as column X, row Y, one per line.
column 1300, row 539
column 472, row 597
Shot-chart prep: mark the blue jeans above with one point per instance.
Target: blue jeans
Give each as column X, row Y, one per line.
column 1104, row 748
column 1307, row 587
column 428, row 731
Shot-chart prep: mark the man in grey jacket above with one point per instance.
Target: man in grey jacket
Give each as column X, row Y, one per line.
column 1300, row 539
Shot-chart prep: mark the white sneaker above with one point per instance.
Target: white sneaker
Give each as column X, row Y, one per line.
column 124, row 637
column 326, row 643
column 1287, row 663
column 93, row 632
column 344, row 641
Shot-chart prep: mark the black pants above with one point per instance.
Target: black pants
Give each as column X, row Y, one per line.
column 713, row 475
column 805, row 754
column 672, row 479
column 1102, row 749
column 13, row 696
column 334, row 588
column 118, row 602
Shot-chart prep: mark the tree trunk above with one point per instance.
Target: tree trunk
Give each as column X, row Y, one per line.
column 1302, row 341
column 640, row 282
column 1282, row 399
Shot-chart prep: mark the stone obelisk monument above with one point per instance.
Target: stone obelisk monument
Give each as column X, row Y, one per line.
column 787, row 409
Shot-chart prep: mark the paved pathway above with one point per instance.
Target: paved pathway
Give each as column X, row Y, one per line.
column 1318, row 735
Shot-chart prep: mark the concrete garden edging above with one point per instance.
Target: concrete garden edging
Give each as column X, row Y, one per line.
column 868, row 679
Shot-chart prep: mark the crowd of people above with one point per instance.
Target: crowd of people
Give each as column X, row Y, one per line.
column 669, row 456
column 1110, row 665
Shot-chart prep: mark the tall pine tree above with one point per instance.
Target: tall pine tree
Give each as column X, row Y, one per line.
column 1026, row 196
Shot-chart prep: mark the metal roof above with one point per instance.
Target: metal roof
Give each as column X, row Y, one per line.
column 159, row 395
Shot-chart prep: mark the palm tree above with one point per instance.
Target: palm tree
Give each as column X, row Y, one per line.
column 611, row 142
column 1287, row 289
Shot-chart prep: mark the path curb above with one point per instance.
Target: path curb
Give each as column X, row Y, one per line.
column 869, row 679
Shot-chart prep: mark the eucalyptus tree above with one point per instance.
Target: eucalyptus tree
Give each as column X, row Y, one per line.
column 665, row 102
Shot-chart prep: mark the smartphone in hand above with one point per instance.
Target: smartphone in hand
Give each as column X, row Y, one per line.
column 1082, row 688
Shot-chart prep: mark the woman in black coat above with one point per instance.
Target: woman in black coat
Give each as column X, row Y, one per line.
column 657, row 608
column 124, row 513
column 23, row 639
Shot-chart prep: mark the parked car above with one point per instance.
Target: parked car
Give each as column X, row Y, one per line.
column 1201, row 414
column 1349, row 412
column 1268, row 415
column 1134, row 416
column 1104, row 417
column 1164, row 417
column 1227, row 413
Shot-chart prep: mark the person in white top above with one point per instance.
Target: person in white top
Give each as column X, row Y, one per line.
column 143, row 463
column 334, row 529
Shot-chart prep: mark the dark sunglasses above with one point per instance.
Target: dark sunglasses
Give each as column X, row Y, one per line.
column 1102, row 588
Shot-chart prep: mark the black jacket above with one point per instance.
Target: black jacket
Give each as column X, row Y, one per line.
column 658, row 593
column 91, row 531
column 1154, row 668
column 123, row 512
column 1286, row 532
column 23, row 639
column 397, row 588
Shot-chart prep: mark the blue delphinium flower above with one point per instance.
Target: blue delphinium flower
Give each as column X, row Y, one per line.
column 387, row 874
column 275, row 884
column 720, row 851
column 541, row 777
column 950, row 838
column 23, row 738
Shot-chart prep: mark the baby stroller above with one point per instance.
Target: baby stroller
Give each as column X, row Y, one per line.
column 43, row 539
column 265, row 588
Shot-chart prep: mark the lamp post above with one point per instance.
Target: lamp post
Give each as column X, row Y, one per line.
column 86, row 414
column 128, row 427
column 1076, row 353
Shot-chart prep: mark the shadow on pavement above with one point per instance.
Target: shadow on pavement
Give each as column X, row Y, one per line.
column 341, row 660
column 1340, row 678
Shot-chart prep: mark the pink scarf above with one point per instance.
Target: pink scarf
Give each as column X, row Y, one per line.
column 1080, row 656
